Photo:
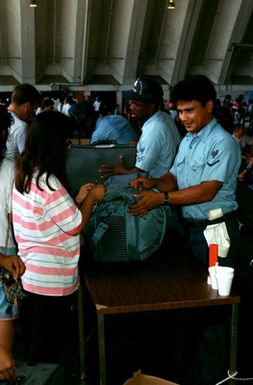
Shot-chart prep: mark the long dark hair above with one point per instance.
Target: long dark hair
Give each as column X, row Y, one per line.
column 45, row 150
column 5, row 122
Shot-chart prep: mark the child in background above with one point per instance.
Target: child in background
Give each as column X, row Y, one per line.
column 47, row 226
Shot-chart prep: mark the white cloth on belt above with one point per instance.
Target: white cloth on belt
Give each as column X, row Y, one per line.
column 218, row 234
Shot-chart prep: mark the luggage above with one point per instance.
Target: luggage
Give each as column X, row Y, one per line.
column 115, row 235
column 84, row 162
column 39, row 374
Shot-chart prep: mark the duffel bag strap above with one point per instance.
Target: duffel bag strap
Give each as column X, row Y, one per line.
column 102, row 227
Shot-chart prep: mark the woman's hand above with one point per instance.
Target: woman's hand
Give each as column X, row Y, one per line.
column 14, row 264
column 97, row 192
column 83, row 192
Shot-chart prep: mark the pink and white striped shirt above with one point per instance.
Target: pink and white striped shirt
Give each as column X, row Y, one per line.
column 44, row 223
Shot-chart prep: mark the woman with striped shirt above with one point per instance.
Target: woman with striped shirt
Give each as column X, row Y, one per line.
column 47, row 225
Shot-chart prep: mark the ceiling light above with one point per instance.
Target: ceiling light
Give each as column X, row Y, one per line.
column 171, row 5
column 33, row 4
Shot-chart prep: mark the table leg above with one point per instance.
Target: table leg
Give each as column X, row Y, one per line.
column 233, row 341
column 101, row 349
column 81, row 335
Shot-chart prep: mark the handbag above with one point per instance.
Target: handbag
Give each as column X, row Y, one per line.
column 13, row 288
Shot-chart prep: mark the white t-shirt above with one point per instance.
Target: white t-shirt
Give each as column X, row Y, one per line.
column 7, row 170
column 16, row 139
column 65, row 109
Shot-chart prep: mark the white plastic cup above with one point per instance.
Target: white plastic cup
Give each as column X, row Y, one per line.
column 212, row 275
column 224, row 277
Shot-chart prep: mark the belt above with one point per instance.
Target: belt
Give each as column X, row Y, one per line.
column 201, row 224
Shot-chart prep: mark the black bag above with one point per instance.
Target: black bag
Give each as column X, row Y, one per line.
column 13, row 289
column 84, row 162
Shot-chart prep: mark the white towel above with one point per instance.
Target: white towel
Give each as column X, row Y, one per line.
column 218, row 233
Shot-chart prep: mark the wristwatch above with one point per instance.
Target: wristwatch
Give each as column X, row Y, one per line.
column 166, row 198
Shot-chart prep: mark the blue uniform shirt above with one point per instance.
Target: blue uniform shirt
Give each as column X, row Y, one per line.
column 157, row 145
column 212, row 154
column 114, row 127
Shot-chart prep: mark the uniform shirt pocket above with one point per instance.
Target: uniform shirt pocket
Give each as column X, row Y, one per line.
column 196, row 165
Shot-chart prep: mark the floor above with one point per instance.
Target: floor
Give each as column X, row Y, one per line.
column 154, row 346
column 70, row 355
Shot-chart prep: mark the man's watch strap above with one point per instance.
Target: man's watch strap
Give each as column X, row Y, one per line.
column 166, row 198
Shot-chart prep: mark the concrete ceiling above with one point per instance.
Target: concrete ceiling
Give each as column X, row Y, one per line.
column 106, row 44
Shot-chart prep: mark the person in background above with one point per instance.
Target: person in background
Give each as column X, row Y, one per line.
column 46, row 105
column 245, row 139
column 60, row 103
column 25, row 99
column 9, row 260
column 173, row 111
column 117, row 110
column 112, row 127
column 83, row 115
column 47, row 225
column 245, row 172
column 96, row 105
column 250, row 115
column 227, row 102
column 159, row 139
column 238, row 131
column 68, row 102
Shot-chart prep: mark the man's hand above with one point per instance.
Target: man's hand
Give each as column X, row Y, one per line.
column 113, row 169
column 7, row 367
column 142, row 183
column 147, row 201
column 14, row 264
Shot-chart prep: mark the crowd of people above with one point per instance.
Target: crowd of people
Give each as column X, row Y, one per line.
column 192, row 153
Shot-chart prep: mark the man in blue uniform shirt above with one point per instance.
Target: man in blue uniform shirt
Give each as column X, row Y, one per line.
column 112, row 127
column 158, row 143
column 204, row 174
column 201, row 181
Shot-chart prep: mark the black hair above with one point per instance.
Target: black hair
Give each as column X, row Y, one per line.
column 25, row 93
column 195, row 87
column 46, row 102
column 237, row 126
column 105, row 109
column 45, row 149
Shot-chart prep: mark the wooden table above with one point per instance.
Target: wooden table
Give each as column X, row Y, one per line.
column 155, row 285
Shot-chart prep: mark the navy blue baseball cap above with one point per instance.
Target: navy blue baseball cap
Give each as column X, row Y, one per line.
column 145, row 89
